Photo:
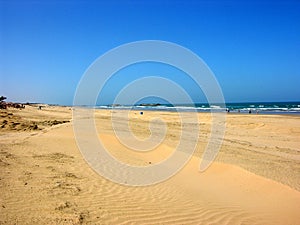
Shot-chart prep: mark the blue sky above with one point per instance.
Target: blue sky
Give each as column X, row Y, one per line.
column 252, row 48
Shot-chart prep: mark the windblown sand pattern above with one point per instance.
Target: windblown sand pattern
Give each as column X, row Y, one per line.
column 45, row 180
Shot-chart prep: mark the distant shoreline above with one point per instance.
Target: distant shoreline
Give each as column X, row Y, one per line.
column 202, row 112
column 242, row 108
column 273, row 108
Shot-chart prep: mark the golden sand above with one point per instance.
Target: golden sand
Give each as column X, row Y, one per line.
column 44, row 179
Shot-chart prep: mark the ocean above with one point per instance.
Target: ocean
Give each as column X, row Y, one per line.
column 249, row 107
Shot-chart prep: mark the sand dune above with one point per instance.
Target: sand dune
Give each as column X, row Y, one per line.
column 45, row 180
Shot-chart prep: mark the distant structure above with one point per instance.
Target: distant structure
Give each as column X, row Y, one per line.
column 149, row 104
column 4, row 105
column 2, row 102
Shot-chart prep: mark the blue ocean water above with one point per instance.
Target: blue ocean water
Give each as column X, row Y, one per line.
column 253, row 107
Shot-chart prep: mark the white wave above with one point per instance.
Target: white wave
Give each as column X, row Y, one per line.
column 215, row 107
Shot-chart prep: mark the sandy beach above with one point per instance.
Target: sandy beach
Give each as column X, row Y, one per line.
column 44, row 178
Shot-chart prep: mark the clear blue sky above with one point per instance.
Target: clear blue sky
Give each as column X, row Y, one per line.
column 252, row 48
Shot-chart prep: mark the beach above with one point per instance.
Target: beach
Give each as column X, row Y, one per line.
column 44, row 178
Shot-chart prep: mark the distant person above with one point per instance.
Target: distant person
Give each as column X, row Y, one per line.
column 250, row 111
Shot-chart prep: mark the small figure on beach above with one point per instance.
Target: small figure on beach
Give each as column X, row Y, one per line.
column 40, row 107
column 250, row 111
column 141, row 113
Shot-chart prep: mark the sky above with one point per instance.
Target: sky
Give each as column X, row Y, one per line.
column 252, row 47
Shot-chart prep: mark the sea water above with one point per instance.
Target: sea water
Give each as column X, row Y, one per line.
column 253, row 107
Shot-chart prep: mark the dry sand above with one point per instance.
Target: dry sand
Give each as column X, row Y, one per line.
column 45, row 180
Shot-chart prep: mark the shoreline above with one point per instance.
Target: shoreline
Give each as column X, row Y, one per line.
column 182, row 111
